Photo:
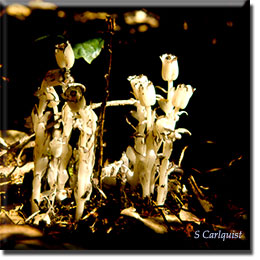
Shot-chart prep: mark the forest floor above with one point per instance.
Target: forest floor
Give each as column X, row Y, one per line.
column 117, row 218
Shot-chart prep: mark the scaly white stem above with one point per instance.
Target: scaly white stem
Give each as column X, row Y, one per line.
column 149, row 118
column 163, row 177
column 86, row 159
column 170, row 91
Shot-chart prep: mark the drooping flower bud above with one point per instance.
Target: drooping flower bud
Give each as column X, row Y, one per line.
column 147, row 95
column 165, row 125
column 74, row 97
column 170, row 68
column 64, row 55
column 182, row 96
column 143, row 90
column 135, row 81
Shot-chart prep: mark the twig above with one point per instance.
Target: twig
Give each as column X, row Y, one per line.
column 128, row 122
column 163, row 216
column 32, row 216
column 110, row 22
column 23, row 141
column 197, row 191
column 182, row 155
column 90, row 213
column 114, row 103
column 5, row 183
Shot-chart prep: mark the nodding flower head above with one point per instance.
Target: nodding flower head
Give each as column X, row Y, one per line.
column 74, row 97
column 143, row 90
column 182, row 96
column 170, row 68
column 74, row 93
column 64, row 55
column 135, row 81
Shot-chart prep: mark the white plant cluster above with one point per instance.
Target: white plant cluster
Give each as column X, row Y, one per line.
column 52, row 151
column 146, row 163
column 149, row 158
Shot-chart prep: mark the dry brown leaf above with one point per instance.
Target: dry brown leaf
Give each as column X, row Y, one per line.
column 188, row 216
column 14, row 216
column 12, row 136
column 151, row 223
column 10, row 230
column 170, row 219
column 18, row 174
column 4, row 219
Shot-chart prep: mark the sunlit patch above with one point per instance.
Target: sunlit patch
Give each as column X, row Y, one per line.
column 185, row 26
column 210, row 142
column 39, row 4
column 88, row 16
column 143, row 28
column 61, row 14
column 18, row 11
column 229, row 24
column 141, row 16
column 5, row 79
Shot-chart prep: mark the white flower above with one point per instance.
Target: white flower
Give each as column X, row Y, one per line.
column 165, row 105
column 170, row 68
column 143, row 90
column 135, row 81
column 182, row 96
column 147, row 95
column 165, row 125
column 64, row 55
column 74, row 97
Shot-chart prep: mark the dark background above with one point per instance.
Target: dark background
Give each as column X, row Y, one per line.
column 219, row 110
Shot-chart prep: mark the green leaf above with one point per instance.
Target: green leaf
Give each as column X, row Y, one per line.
column 42, row 38
column 48, row 36
column 88, row 50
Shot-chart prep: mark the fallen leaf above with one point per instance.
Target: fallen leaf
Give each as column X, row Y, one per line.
column 25, row 230
column 170, row 218
column 14, row 216
column 151, row 223
column 188, row 216
column 12, row 136
column 18, row 174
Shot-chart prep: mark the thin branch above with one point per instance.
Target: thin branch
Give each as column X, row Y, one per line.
column 114, row 103
column 127, row 120
column 110, row 22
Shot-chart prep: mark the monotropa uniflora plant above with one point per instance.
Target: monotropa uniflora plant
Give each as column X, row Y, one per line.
column 52, row 151
column 147, row 162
